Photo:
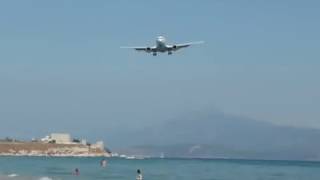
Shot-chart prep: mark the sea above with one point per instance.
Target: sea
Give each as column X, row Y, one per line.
column 62, row 168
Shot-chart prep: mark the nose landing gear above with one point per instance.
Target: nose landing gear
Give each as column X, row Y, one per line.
column 169, row 52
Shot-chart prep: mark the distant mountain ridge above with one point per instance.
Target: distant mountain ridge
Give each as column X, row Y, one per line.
column 221, row 135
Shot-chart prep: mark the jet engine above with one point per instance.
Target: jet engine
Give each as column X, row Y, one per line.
column 174, row 47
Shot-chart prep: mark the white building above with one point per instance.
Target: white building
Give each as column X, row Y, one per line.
column 46, row 139
column 61, row 138
column 83, row 142
column 98, row 145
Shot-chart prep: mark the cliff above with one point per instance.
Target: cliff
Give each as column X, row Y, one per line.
column 48, row 149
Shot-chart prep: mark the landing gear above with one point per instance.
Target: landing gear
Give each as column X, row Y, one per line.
column 154, row 53
column 169, row 52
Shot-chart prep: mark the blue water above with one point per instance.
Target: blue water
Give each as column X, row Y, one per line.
column 29, row 168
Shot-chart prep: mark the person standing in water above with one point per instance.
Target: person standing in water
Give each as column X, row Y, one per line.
column 76, row 172
column 103, row 163
column 139, row 175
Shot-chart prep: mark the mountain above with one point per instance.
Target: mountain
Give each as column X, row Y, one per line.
column 217, row 134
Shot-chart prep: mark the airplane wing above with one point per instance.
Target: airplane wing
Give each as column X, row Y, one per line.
column 184, row 45
column 140, row 48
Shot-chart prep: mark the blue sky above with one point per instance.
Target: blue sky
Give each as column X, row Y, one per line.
column 61, row 68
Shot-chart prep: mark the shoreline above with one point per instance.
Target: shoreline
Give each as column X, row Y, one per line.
column 56, row 155
column 171, row 158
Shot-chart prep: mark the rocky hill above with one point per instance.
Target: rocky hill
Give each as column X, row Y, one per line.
column 48, row 149
column 227, row 136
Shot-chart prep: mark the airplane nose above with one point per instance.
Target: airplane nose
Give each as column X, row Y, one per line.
column 161, row 39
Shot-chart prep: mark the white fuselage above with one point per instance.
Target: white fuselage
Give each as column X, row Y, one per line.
column 161, row 44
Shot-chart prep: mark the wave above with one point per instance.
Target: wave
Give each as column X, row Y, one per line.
column 13, row 175
column 45, row 178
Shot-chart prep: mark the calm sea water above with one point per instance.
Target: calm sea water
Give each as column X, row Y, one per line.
column 29, row 168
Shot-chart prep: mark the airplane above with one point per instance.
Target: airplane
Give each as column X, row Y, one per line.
column 162, row 46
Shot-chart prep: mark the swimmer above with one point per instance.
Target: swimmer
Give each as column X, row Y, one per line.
column 103, row 163
column 139, row 175
column 76, row 172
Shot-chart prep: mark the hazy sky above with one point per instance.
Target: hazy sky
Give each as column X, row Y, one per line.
column 61, row 68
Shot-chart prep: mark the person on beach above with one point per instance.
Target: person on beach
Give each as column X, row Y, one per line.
column 139, row 175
